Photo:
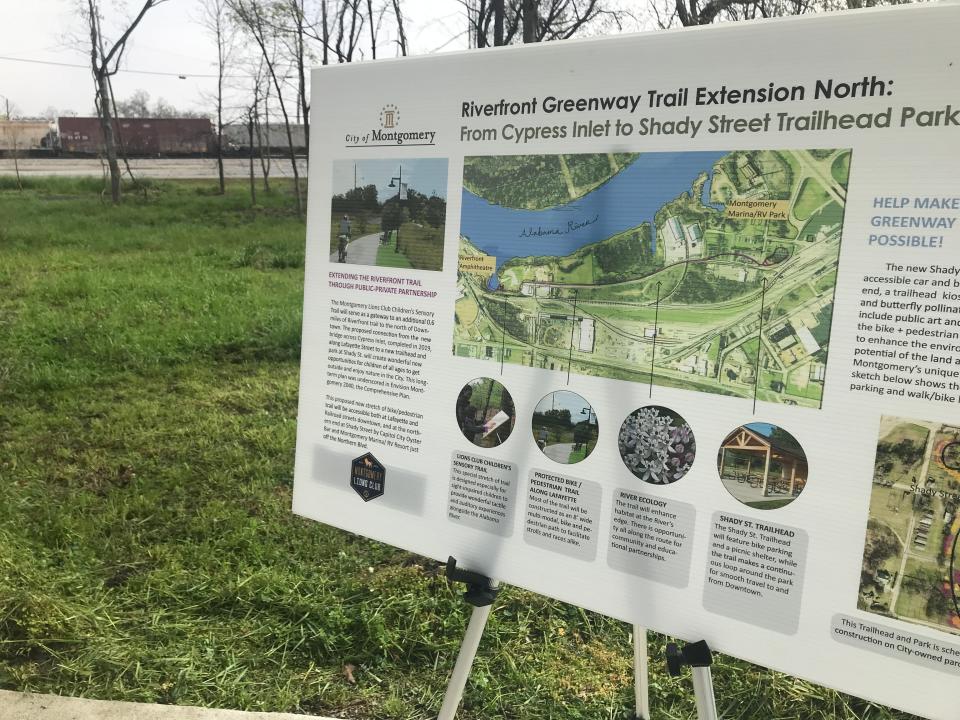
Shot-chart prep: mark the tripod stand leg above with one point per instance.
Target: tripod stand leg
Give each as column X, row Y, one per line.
column 703, row 692
column 641, row 678
column 461, row 671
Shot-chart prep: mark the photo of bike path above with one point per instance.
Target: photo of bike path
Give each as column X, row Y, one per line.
column 559, row 452
column 362, row 251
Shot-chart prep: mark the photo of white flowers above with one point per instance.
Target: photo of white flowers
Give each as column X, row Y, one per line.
column 657, row 445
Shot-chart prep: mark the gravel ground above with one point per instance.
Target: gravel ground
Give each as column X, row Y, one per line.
column 26, row 706
column 185, row 169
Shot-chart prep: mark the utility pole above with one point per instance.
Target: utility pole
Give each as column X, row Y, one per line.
column 399, row 181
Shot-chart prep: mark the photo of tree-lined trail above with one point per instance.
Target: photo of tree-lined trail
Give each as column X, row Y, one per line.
column 389, row 213
column 911, row 570
column 715, row 270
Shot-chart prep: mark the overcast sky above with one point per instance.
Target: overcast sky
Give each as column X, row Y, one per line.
column 565, row 400
column 425, row 175
column 169, row 40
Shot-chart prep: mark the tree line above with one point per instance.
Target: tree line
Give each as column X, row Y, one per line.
column 428, row 210
column 266, row 47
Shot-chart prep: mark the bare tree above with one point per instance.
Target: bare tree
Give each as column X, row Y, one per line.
column 216, row 21
column 261, row 28
column 502, row 22
column 119, row 135
column 135, row 106
column 104, row 64
column 324, row 36
column 298, row 51
column 531, row 11
column 499, row 12
column 261, row 93
column 251, row 121
column 14, row 138
column 373, row 30
column 337, row 30
column 401, row 33
column 705, row 12
column 349, row 26
column 263, row 135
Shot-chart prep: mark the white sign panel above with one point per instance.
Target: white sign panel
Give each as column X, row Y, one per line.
column 665, row 326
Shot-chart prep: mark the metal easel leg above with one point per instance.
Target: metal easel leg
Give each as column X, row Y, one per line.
column 703, row 692
column 641, row 675
column 481, row 592
column 698, row 656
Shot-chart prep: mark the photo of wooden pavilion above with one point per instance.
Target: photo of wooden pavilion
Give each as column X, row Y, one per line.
column 762, row 465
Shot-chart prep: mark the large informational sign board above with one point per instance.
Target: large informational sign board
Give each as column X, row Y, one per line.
column 666, row 326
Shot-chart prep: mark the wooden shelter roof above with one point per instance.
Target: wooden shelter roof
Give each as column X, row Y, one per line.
column 743, row 438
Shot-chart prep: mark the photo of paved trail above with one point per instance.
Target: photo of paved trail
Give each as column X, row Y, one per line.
column 390, row 213
column 362, row 251
column 565, row 427
column 708, row 271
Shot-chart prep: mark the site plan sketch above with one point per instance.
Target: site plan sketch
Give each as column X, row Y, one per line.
column 910, row 568
column 708, row 271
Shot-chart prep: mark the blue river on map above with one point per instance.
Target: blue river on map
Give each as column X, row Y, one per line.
column 630, row 198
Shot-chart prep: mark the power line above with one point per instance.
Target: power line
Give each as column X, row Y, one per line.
column 182, row 76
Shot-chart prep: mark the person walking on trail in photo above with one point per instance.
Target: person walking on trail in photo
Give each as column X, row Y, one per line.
column 343, row 238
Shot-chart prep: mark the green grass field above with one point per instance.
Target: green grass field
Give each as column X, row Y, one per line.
column 890, row 507
column 422, row 245
column 840, row 170
column 581, row 454
column 148, row 387
column 387, row 256
column 811, row 196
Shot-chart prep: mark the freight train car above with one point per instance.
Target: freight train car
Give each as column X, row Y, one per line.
column 272, row 139
column 139, row 137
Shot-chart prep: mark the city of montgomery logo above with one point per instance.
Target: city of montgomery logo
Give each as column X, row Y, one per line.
column 389, row 117
column 367, row 477
column 387, row 133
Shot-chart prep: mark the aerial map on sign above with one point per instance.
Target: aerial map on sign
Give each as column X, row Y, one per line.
column 708, row 271
column 910, row 566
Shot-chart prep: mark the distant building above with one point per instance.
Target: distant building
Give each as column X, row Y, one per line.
column 26, row 134
column 586, row 335
column 807, row 340
column 674, row 247
column 694, row 238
